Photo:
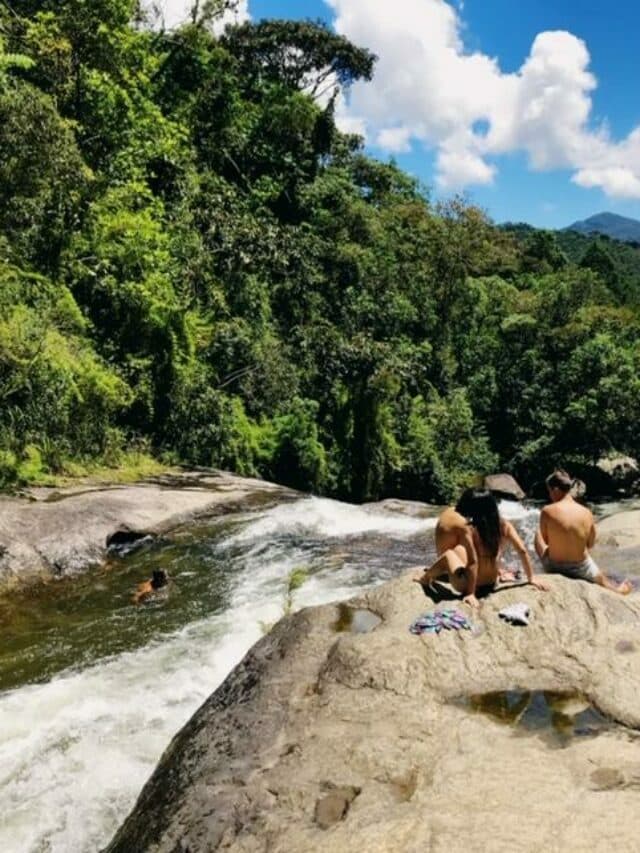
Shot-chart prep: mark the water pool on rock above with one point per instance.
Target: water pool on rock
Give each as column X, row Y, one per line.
column 559, row 716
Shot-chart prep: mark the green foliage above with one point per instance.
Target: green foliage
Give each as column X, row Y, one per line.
column 445, row 448
column 121, row 271
column 296, row 579
column 57, row 395
column 295, row 455
column 193, row 257
column 623, row 280
column 297, row 54
column 11, row 62
column 42, row 176
column 208, row 427
column 8, row 469
column 542, row 254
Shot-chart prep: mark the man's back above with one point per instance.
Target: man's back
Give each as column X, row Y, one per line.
column 568, row 529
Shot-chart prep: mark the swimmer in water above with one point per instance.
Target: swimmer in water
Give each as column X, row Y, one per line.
column 148, row 589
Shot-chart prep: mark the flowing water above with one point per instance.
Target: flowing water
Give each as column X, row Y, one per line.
column 92, row 688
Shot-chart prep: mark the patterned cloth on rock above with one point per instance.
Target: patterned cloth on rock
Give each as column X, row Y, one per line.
column 433, row 623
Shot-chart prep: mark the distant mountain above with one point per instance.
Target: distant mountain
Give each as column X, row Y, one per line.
column 610, row 224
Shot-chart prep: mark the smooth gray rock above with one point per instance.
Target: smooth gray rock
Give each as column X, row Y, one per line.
column 310, row 714
column 504, row 486
column 621, row 530
column 51, row 533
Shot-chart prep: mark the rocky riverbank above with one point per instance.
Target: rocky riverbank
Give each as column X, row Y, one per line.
column 54, row 532
column 343, row 733
column 621, row 530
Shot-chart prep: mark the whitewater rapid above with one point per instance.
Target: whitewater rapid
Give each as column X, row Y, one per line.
column 75, row 751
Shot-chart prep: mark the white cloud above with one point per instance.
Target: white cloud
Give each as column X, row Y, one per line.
column 428, row 88
column 396, row 139
column 176, row 12
column 461, row 167
column 618, row 180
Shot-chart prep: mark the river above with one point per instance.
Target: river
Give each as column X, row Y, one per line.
column 92, row 688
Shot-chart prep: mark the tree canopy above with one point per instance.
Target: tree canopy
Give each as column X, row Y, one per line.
column 195, row 259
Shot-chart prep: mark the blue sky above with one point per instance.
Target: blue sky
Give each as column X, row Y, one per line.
column 527, row 106
column 506, row 29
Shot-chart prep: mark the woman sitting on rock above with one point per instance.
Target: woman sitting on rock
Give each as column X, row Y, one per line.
column 490, row 534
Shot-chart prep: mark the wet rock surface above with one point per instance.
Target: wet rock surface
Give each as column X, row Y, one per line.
column 356, row 620
column 338, row 741
column 412, row 509
column 55, row 532
column 335, row 805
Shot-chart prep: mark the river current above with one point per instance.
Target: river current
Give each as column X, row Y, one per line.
column 92, row 688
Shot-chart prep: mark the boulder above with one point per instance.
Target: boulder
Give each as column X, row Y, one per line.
column 329, row 741
column 504, row 486
column 125, row 539
column 610, row 477
column 51, row 533
column 622, row 471
column 579, row 490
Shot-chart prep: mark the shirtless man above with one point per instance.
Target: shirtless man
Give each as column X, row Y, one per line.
column 567, row 531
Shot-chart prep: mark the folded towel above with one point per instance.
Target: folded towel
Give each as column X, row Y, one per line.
column 433, row 623
column 516, row 614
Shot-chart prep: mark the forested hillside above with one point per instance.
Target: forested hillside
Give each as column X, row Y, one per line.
column 193, row 260
column 616, row 262
column 611, row 225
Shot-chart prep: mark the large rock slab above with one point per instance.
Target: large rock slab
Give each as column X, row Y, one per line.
column 621, row 530
column 58, row 532
column 340, row 742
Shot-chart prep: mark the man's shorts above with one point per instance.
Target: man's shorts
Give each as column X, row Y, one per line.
column 585, row 570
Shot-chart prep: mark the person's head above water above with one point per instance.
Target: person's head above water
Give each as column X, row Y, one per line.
column 559, row 484
column 159, row 579
column 481, row 508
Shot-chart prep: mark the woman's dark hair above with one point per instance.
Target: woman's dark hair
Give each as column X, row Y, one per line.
column 465, row 503
column 481, row 508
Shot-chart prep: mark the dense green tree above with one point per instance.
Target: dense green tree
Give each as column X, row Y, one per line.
column 42, row 176
column 56, row 395
column 598, row 259
column 542, row 254
column 298, row 55
column 193, row 255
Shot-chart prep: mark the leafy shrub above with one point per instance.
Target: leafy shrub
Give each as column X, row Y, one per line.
column 291, row 450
